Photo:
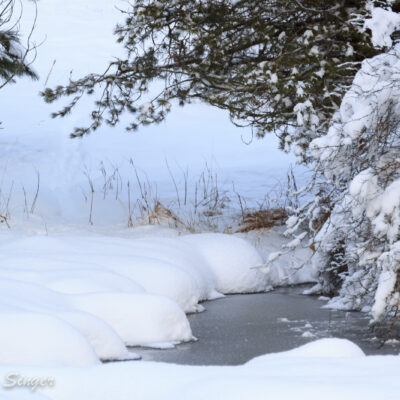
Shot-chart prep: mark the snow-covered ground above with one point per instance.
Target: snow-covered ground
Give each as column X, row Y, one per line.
column 329, row 368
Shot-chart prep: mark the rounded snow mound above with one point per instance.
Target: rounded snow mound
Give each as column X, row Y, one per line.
column 139, row 319
column 75, row 281
column 329, row 347
column 165, row 279
column 106, row 343
column 39, row 339
column 233, row 260
column 322, row 348
column 183, row 256
column 34, row 298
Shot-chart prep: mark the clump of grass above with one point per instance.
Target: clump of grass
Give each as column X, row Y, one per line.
column 164, row 216
column 262, row 219
column 193, row 203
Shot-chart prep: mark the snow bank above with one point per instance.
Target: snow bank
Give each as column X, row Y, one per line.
column 39, row 339
column 323, row 348
column 171, row 281
column 139, row 319
column 35, row 299
column 115, row 291
column 234, row 262
column 286, row 376
column 330, row 347
column 183, row 256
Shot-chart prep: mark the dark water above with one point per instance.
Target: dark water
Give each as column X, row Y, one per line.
column 237, row 328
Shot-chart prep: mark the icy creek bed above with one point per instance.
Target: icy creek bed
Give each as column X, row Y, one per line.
column 237, row 328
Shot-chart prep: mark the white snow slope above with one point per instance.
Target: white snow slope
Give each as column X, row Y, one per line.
column 329, row 368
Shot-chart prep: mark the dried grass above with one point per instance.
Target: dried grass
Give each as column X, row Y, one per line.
column 263, row 219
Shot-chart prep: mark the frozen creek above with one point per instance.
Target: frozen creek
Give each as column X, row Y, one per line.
column 237, row 328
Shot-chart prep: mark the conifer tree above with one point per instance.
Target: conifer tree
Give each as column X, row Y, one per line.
column 354, row 217
column 14, row 60
column 275, row 65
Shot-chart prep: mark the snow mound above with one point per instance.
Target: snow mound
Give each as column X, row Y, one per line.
column 233, row 260
column 105, row 341
column 88, row 281
column 37, row 299
column 329, row 347
column 139, row 319
column 183, row 256
column 117, row 291
column 72, row 281
column 171, row 281
column 322, row 348
column 39, row 339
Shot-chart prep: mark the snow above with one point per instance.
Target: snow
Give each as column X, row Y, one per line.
column 282, row 268
column 113, row 291
column 183, row 255
column 39, row 339
column 73, row 271
column 33, row 144
column 334, row 368
column 139, row 319
column 32, row 298
column 386, row 285
column 234, row 262
column 330, row 347
column 368, row 205
column 382, row 24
